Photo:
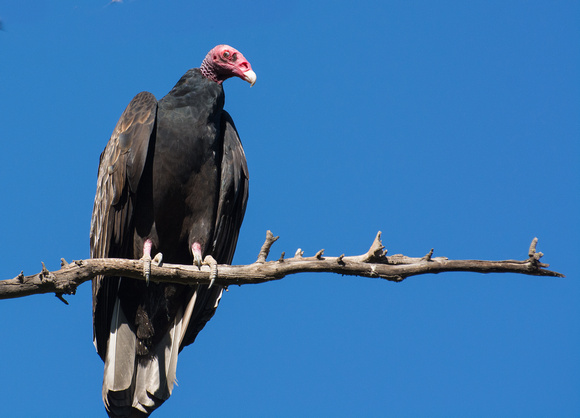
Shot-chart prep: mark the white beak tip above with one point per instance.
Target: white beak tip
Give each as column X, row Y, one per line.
column 250, row 77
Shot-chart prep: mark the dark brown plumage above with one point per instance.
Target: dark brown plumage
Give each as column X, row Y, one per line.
column 172, row 178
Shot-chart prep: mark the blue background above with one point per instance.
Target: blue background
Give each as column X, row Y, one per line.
column 452, row 125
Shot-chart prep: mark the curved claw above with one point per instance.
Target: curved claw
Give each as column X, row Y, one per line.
column 210, row 261
column 197, row 260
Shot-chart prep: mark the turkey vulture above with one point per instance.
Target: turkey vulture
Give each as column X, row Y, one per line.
column 172, row 179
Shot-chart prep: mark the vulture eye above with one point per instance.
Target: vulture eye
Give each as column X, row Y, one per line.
column 226, row 54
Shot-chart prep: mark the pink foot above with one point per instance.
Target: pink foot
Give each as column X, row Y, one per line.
column 147, row 248
column 147, row 259
column 196, row 250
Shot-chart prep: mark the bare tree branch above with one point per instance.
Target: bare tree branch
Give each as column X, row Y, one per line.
column 374, row 263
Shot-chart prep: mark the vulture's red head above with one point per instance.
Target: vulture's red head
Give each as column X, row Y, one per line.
column 223, row 62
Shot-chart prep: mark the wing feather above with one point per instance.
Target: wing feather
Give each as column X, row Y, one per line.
column 120, row 168
column 233, row 193
column 233, row 197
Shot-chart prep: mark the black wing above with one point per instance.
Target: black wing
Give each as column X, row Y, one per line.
column 233, row 197
column 233, row 193
column 120, row 169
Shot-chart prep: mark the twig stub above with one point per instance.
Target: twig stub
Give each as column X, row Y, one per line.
column 375, row 253
column 532, row 250
column 427, row 257
column 59, row 296
column 265, row 250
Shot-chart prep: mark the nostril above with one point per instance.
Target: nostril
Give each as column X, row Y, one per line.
column 244, row 66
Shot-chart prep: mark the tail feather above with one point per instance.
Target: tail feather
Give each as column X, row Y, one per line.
column 135, row 385
column 155, row 375
column 120, row 362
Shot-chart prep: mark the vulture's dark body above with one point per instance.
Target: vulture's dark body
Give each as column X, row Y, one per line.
column 174, row 173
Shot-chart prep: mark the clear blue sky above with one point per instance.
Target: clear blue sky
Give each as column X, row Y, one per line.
column 452, row 125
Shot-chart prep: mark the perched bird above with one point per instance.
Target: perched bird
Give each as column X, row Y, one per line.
column 172, row 179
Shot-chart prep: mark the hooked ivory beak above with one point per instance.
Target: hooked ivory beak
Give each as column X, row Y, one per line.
column 250, row 77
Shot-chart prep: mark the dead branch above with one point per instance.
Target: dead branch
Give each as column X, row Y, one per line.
column 374, row 263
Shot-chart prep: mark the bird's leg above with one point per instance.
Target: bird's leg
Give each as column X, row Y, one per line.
column 147, row 259
column 196, row 251
column 210, row 261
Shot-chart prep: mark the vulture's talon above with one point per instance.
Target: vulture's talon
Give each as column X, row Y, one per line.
column 210, row 261
column 197, row 261
column 147, row 259
column 146, row 267
column 196, row 251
